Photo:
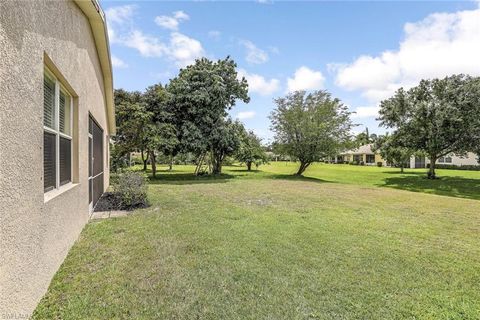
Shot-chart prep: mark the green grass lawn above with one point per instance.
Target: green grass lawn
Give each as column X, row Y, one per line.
column 338, row 244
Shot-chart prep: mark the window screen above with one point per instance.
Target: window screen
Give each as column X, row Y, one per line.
column 97, row 149
column 49, row 162
column 65, row 161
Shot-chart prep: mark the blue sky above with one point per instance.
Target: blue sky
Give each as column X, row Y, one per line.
column 359, row 51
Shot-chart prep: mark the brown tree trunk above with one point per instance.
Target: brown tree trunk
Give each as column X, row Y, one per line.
column 249, row 165
column 154, row 163
column 303, row 167
column 145, row 160
column 217, row 163
column 431, row 170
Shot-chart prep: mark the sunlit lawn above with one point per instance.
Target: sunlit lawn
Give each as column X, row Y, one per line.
column 338, row 244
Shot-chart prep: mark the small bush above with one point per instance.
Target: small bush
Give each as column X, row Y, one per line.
column 379, row 164
column 131, row 187
column 362, row 163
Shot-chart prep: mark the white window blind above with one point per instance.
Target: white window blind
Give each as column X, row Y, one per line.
column 57, row 136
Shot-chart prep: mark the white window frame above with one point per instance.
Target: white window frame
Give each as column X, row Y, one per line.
column 56, row 131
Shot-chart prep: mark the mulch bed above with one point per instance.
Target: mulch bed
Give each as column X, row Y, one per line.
column 110, row 201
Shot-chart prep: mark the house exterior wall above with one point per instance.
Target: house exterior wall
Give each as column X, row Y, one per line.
column 35, row 235
column 469, row 160
column 378, row 158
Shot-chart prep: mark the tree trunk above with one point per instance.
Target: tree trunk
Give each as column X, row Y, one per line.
column 145, row 160
column 170, row 164
column 303, row 167
column 401, row 168
column 154, row 164
column 431, row 170
column 249, row 165
column 217, row 164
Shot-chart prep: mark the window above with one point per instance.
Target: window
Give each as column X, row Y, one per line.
column 370, row 158
column 445, row 160
column 57, row 134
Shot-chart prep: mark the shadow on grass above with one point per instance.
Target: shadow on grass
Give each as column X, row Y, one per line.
column 189, row 178
column 447, row 186
column 292, row 177
column 184, row 178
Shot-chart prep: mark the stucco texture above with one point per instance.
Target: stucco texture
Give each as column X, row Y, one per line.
column 35, row 236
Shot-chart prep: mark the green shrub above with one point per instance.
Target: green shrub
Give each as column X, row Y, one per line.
column 131, row 187
column 379, row 164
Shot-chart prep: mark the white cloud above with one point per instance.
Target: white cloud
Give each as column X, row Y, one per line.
column 118, row 63
column 119, row 18
column 254, row 55
column 171, row 22
column 148, row 46
column 258, row 83
column 214, row 34
column 245, row 115
column 179, row 48
column 120, row 14
column 365, row 112
column 180, row 15
column 305, row 79
column 183, row 49
column 439, row 45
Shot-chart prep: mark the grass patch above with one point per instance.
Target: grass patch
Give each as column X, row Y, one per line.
column 266, row 245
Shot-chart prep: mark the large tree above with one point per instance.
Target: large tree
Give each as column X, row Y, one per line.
column 199, row 98
column 438, row 117
column 310, row 127
column 251, row 150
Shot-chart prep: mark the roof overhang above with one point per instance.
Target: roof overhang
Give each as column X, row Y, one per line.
column 96, row 17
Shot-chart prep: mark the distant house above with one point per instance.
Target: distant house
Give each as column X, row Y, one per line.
column 365, row 155
column 361, row 155
column 56, row 118
column 422, row 162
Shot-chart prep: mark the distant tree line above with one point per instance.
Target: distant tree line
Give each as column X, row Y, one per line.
column 187, row 120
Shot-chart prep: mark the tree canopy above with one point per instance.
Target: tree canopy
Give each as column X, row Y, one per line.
column 199, row 98
column 438, row 117
column 190, row 115
column 310, row 127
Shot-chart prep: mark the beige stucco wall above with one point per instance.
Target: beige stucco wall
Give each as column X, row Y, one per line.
column 469, row 160
column 35, row 236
